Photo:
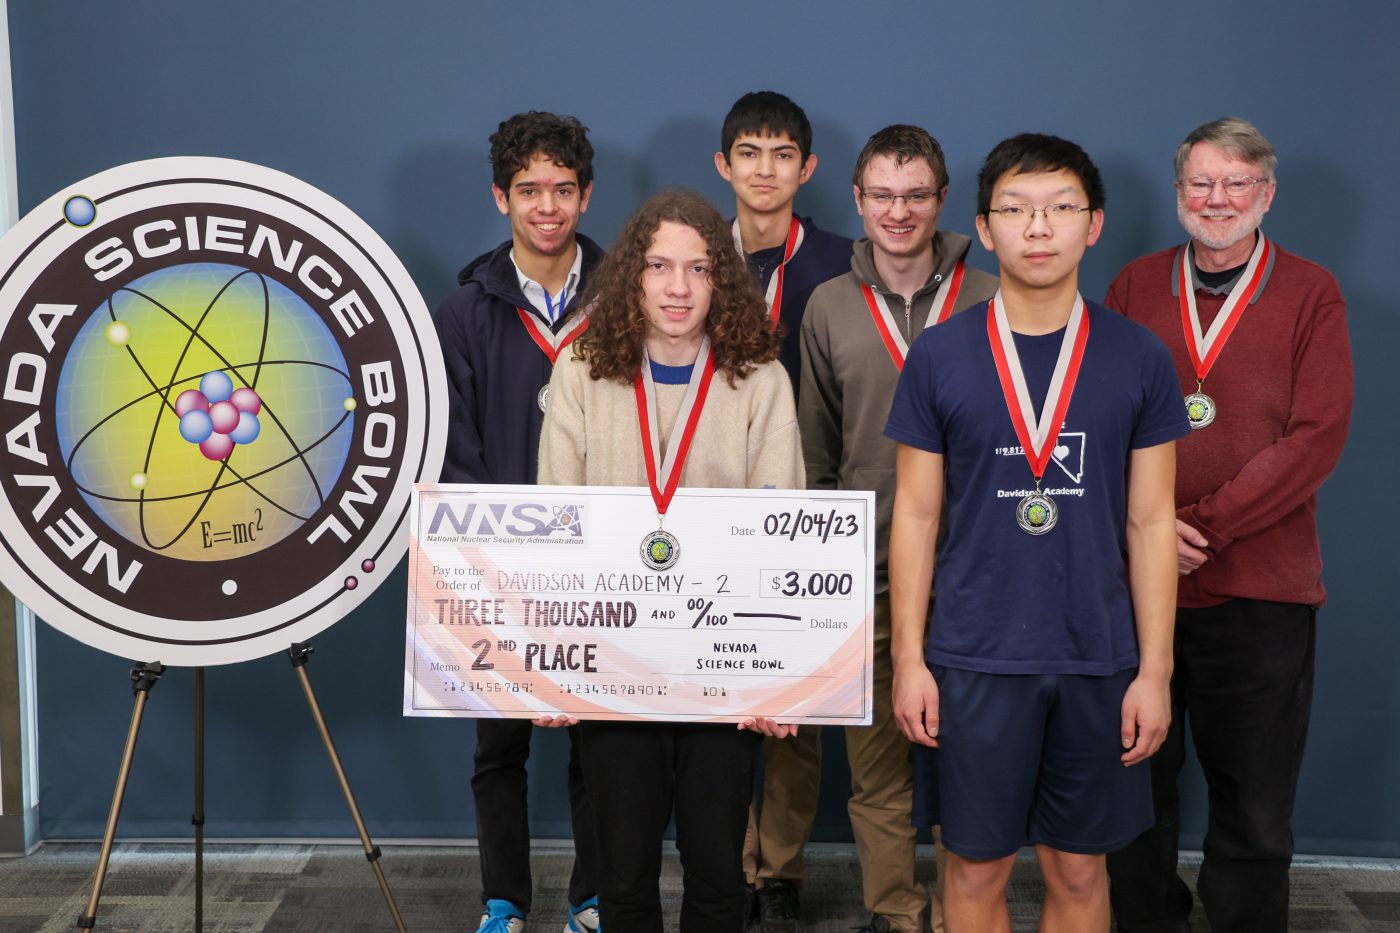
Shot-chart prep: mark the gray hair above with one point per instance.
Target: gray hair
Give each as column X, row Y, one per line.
column 1237, row 137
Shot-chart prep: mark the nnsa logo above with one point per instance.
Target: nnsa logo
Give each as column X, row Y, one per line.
column 507, row 520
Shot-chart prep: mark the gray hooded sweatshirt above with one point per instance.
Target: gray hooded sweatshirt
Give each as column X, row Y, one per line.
column 849, row 378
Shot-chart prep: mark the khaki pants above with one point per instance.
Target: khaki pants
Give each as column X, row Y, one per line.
column 881, row 804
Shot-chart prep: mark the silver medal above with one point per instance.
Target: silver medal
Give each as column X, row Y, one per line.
column 1200, row 410
column 660, row 550
column 542, row 399
column 1037, row 513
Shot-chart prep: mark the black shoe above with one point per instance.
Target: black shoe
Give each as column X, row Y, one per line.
column 877, row 924
column 779, row 908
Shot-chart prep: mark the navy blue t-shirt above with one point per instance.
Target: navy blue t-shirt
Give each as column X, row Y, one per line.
column 661, row 374
column 1009, row 602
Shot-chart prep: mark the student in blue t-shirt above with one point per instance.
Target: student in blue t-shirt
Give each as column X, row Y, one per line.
column 1041, row 427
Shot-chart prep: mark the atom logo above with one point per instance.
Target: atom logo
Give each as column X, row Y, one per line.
column 566, row 517
column 196, row 357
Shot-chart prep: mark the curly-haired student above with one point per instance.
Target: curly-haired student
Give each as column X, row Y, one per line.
column 678, row 340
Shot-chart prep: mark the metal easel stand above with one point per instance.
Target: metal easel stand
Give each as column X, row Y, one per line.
column 299, row 654
column 143, row 678
column 197, row 818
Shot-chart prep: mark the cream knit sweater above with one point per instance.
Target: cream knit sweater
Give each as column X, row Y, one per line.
column 746, row 437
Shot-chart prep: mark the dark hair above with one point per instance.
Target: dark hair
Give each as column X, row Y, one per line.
column 766, row 113
column 518, row 140
column 737, row 324
column 906, row 143
column 1036, row 152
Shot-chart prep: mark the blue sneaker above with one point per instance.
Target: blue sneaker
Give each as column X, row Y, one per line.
column 501, row 917
column 584, row 918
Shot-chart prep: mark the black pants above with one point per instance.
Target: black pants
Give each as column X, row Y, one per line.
column 637, row 774
column 502, row 817
column 1244, row 679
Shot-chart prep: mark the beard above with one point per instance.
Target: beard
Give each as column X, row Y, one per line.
column 1246, row 222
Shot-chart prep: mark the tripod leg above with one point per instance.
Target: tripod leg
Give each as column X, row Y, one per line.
column 198, row 818
column 143, row 678
column 299, row 654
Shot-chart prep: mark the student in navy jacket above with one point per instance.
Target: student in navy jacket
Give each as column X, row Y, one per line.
column 501, row 332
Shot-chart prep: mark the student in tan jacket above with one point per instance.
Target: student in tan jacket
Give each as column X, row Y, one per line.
column 672, row 309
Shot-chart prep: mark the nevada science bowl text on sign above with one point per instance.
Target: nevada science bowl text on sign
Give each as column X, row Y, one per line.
column 533, row 601
column 220, row 386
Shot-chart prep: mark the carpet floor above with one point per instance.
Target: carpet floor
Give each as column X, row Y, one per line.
column 296, row 888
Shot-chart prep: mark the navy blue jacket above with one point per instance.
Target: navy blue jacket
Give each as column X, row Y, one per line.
column 495, row 371
column 823, row 256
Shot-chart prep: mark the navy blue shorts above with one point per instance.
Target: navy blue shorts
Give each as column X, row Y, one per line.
column 1032, row 759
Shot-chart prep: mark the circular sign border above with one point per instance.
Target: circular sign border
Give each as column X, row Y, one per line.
column 383, row 540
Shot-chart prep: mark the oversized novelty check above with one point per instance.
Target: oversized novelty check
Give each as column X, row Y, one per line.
column 547, row 600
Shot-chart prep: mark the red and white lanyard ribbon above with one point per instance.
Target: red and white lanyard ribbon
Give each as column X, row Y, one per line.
column 664, row 476
column 1205, row 348
column 774, row 296
column 549, row 341
column 1037, row 439
column 943, row 302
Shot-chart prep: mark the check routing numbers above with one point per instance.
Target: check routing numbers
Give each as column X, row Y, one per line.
column 531, row 603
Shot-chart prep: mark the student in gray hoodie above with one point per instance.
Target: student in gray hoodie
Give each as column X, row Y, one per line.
column 905, row 275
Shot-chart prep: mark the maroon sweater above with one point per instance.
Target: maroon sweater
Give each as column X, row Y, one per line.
column 1282, row 387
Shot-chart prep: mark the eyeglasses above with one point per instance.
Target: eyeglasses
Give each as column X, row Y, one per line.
column 1056, row 215
column 915, row 200
column 1235, row 186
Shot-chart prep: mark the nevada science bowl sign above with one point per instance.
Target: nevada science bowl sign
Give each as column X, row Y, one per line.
column 219, row 386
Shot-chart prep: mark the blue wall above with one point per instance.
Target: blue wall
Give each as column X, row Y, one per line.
column 388, row 106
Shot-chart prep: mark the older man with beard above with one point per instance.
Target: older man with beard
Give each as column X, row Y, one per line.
column 1259, row 338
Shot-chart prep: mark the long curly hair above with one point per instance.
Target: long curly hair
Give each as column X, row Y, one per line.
column 738, row 326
